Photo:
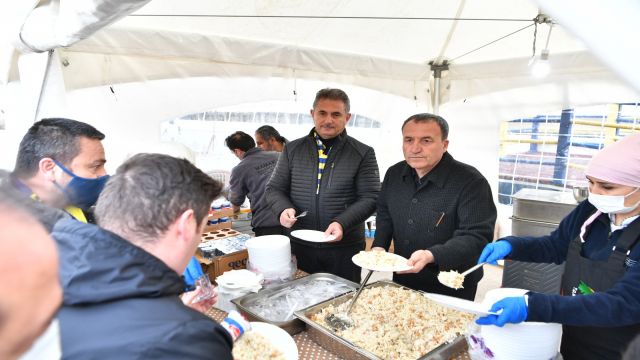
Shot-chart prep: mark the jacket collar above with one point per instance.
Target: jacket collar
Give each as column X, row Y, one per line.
column 340, row 139
column 97, row 265
column 252, row 151
column 438, row 175
column 341, row 136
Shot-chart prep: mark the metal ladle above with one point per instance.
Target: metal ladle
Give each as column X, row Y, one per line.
column 343, row 321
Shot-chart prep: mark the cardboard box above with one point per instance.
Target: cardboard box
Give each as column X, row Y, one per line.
column 220, row 213
column 219, row 234
column 219, row 264
column 216, row 227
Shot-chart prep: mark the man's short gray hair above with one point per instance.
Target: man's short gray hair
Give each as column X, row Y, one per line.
column 150, row 191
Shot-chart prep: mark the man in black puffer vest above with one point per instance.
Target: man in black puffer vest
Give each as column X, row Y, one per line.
column 335, row 178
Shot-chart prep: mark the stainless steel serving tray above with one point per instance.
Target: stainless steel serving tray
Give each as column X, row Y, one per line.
column 542, row 205
column 295, row 325
column 348, row 350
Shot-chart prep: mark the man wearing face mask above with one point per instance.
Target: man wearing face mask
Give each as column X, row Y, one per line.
column 60, row 162
column 32, row 293
column 600, row 302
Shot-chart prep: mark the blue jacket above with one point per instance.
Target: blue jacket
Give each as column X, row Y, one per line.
column 120, row 302
column 617, row 306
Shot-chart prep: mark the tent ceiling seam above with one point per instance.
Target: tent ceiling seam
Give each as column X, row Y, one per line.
column 305, row 17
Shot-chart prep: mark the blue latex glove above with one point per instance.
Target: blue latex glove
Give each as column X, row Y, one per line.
column 514, row 310
column 495, row 251
column 192, row 272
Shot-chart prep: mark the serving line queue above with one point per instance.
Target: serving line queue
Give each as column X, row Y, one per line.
column 123, row 271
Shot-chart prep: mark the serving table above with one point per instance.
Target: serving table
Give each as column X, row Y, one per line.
column 307, row 348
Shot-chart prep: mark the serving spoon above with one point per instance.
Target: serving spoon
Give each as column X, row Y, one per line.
column 343, row 321
column 463, row 274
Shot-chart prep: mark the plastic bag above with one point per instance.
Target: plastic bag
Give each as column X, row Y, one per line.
column 478, row 350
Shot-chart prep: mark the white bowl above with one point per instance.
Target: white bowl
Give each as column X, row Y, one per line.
column 527, row 340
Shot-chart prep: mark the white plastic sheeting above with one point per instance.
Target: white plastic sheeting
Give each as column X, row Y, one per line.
column 60, row 23
column 610, row 30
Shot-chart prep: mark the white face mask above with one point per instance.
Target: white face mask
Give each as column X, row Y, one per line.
column 612, row 204
column 47, row 346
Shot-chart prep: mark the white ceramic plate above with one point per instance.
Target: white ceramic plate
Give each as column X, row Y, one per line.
column 401, row 264
column 460, row 304
column 312, row 236
column 278, row 337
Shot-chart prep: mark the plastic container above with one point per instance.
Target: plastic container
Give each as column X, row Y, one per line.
column 527, row 340
column 234, row 284
column 235, row 324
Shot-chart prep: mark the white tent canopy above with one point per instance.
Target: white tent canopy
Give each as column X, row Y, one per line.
column 126, row 66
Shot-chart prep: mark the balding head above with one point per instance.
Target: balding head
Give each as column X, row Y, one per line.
column 29, row 275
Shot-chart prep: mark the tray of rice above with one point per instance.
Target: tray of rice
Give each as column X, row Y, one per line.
column 389, row 322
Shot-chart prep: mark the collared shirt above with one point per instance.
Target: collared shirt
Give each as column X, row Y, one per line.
column 624, row 224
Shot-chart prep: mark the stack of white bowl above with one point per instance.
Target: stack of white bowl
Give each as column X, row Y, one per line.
column 235, row 283
column 270, row 256
column 524, row 341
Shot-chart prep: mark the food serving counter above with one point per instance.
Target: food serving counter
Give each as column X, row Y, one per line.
column 308, row 349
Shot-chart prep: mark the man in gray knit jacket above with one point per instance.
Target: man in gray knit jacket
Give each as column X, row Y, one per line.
column 335, row 178
column 249, row 179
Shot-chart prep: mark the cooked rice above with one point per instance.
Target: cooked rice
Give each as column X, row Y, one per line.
column 379, row 259
column 254, row 346
column 452, row 279
column 397, row 323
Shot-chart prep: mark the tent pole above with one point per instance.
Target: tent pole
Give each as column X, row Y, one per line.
column 437, row 76
column 44, row 84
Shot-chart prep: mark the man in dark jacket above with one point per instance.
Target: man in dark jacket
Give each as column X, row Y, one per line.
column 335, row 178
column 122, row 281
column 249, row 178
column 438, row 211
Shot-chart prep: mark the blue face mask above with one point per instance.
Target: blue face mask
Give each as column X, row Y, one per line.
column 82, row 192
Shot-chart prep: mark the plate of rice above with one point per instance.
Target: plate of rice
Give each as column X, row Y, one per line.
column 380, row 261
column 265, row 342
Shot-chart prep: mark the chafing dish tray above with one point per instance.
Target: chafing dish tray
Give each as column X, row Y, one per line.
column 281, row 300
column 348, row 350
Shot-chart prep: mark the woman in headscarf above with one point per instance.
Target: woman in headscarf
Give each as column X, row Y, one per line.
column 600, row 302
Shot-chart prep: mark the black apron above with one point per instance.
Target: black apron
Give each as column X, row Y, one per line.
column 590, row 342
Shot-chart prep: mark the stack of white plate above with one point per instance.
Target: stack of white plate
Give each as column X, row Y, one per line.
column 524, row 341
column 270, row 255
